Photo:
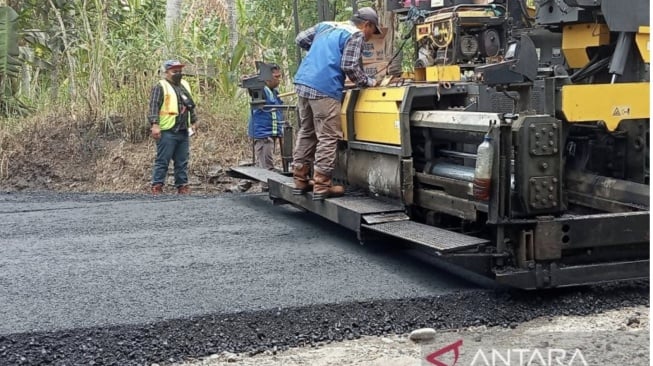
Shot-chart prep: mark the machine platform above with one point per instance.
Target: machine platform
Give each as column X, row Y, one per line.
column 364, row 214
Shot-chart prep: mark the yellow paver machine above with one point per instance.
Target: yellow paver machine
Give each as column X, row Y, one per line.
column 517, row 150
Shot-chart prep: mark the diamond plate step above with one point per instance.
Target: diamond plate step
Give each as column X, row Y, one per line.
column 430, row 236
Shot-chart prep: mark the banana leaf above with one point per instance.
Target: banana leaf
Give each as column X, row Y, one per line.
column 10, row 63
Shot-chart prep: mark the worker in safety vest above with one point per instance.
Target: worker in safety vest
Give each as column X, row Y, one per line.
column 266, row 122
column 334, row 51
column 172, row 119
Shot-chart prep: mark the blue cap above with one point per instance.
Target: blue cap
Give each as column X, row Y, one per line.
column 171, row 64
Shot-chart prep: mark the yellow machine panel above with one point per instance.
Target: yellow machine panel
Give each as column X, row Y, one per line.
column 442, row 73
column 577, row 38
column 376, row 115
column 610, row 103
column 343, row 115
column 644, row 43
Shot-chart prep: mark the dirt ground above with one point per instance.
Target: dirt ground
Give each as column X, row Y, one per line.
column 618, row 337
column 85, row 157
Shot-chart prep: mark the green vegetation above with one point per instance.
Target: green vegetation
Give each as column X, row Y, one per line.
column 85, row 68
column 100, row 58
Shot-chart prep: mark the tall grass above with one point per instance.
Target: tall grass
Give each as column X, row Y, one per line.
column 112, row 55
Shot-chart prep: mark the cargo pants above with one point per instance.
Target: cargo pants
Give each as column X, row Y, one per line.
column 318, row 135
column 263, row 150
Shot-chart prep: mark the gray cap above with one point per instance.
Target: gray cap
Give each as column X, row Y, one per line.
column 169, row 64
column 369, row 15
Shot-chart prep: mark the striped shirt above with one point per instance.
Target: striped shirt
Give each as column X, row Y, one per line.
column 350, row 63
column 156, row 101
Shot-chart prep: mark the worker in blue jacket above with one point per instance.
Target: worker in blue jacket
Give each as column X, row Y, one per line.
column 266, row 123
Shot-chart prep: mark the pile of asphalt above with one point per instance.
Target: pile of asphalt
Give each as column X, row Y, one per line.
column 278, row 329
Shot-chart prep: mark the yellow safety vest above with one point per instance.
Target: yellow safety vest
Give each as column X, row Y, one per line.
column 170, row 107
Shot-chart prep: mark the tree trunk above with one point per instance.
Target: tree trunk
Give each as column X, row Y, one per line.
column 173, row 14
column 233, row 23
column 325, row 12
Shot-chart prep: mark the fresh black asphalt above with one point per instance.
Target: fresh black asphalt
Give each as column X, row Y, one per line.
column 94, row 260
column 131, row 279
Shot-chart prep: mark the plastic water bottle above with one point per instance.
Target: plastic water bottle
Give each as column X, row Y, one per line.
column 483, row 171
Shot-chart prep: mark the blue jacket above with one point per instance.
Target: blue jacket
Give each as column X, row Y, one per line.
column 320, row 69
column 263, row 122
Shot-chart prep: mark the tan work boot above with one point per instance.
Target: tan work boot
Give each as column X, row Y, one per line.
column 185, row 189
column 157, row 189
column 324, row 188
column 300, row 177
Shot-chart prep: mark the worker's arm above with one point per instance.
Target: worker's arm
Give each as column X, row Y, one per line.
column 156, row 100
column 193, row 116
column 305, row 38
column 350, row 63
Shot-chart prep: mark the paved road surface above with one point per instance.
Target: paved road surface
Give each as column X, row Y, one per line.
column 75, row 260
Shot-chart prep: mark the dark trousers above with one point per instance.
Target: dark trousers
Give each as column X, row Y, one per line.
column 171, row 146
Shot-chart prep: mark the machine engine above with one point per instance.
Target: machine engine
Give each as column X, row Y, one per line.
column 472, row 34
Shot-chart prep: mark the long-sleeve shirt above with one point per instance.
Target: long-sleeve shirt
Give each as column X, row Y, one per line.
column 156, row 101
column 350, row 63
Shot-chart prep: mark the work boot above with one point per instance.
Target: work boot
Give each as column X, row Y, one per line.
column 185, row 189
column 324, row 188
column 157, row 189
column 301, row 179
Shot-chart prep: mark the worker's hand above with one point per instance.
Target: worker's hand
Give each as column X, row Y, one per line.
column 156, row 131
column 371, row 82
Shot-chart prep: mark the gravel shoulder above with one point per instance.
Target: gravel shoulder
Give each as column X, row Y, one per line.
column 614, row 337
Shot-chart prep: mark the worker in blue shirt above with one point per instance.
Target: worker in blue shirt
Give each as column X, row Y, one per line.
column 266, row 123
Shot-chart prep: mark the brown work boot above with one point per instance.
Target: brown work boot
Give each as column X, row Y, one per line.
column 301, row 179
column 157, row 189
column 324, row 188
column 185, row 189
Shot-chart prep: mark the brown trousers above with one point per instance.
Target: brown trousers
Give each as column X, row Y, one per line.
column 318, row 135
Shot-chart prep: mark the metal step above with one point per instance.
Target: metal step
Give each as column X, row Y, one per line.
column 347, row 211
column 439, row 239
column 260, row 174
column 357, row 212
